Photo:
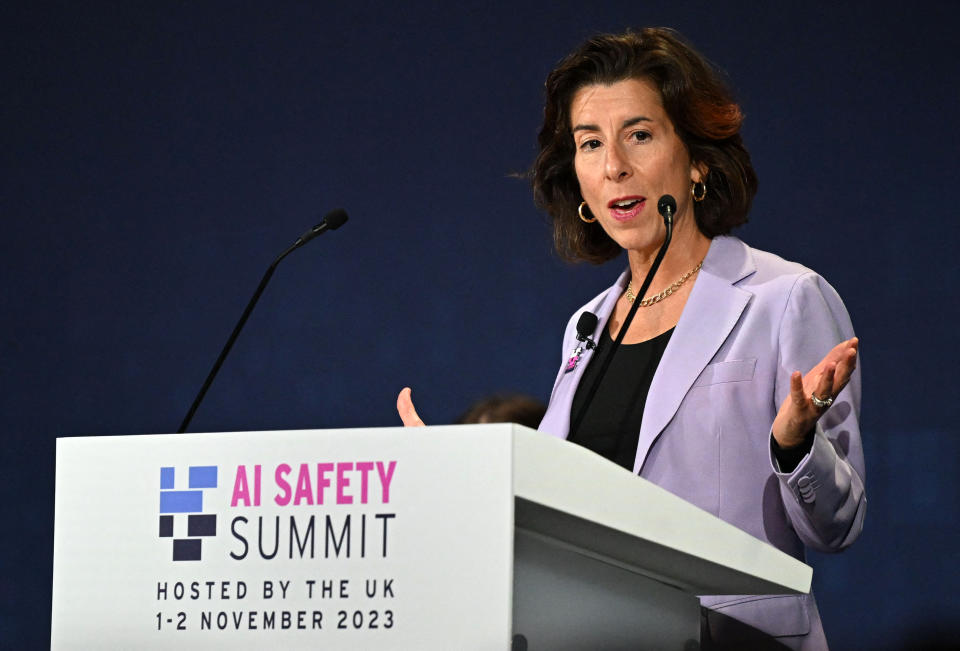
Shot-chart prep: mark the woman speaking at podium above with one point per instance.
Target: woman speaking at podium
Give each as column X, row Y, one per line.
column 704, row 394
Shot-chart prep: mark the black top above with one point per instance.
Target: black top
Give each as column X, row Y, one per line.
column 611, row 427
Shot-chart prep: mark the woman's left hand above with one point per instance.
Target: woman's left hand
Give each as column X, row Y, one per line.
column 798, row 414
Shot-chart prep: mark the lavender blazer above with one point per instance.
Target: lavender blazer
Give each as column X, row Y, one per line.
column 751, row 319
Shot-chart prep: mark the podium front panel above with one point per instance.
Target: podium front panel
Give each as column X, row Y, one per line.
column 335, row 539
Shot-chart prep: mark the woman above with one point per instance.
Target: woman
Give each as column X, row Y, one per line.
column 705, row 396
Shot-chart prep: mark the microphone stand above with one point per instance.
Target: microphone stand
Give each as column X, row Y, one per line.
column 332, row 221
column 668, row 223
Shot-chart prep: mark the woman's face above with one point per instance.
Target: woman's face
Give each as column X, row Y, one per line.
column 628, row 156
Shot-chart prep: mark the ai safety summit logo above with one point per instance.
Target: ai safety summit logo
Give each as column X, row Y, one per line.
column 183, row 509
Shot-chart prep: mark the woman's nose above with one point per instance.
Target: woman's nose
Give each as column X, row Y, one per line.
column 617, row 167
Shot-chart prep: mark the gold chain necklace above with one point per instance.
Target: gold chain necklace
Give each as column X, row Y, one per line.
column 647, row 302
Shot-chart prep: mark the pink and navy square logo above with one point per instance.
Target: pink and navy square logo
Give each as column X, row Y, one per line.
column 186, row 506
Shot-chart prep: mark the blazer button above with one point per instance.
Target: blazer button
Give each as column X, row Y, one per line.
column 803, row 482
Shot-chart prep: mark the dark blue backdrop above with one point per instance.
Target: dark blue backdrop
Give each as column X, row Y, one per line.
column 157, row 156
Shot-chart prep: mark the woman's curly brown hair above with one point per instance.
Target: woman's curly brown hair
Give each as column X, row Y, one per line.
column 704, row 114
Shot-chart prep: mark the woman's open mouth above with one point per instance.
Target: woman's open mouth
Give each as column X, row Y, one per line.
column 626, row 208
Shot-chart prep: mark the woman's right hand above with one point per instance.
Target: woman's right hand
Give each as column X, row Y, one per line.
column 406, row 410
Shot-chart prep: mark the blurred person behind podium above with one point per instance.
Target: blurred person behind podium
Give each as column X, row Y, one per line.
column 505, row 408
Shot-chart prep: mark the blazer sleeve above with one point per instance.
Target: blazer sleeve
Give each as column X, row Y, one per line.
column 824, row 496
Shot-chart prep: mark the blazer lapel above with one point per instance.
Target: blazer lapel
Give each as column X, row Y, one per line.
column 711, row 312
column 568, row 382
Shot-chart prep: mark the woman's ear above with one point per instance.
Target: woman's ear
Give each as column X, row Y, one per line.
column 698, row 172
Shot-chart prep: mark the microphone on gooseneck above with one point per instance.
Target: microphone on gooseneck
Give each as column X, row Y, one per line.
column 331, row 221
column 667, row 207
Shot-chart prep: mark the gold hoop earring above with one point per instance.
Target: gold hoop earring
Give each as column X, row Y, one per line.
column 703, row 194
column 580, row 212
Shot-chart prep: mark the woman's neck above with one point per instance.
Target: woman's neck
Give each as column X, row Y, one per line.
column 687, row 248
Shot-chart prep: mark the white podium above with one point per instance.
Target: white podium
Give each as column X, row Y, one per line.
column 453, row 537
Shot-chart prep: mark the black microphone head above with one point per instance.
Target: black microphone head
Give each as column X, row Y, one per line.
column 667, row 206
column 335, row 218
column 587, row 324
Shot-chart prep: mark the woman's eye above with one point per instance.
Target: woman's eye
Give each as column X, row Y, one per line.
column 589, row 144
column 640, row 136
